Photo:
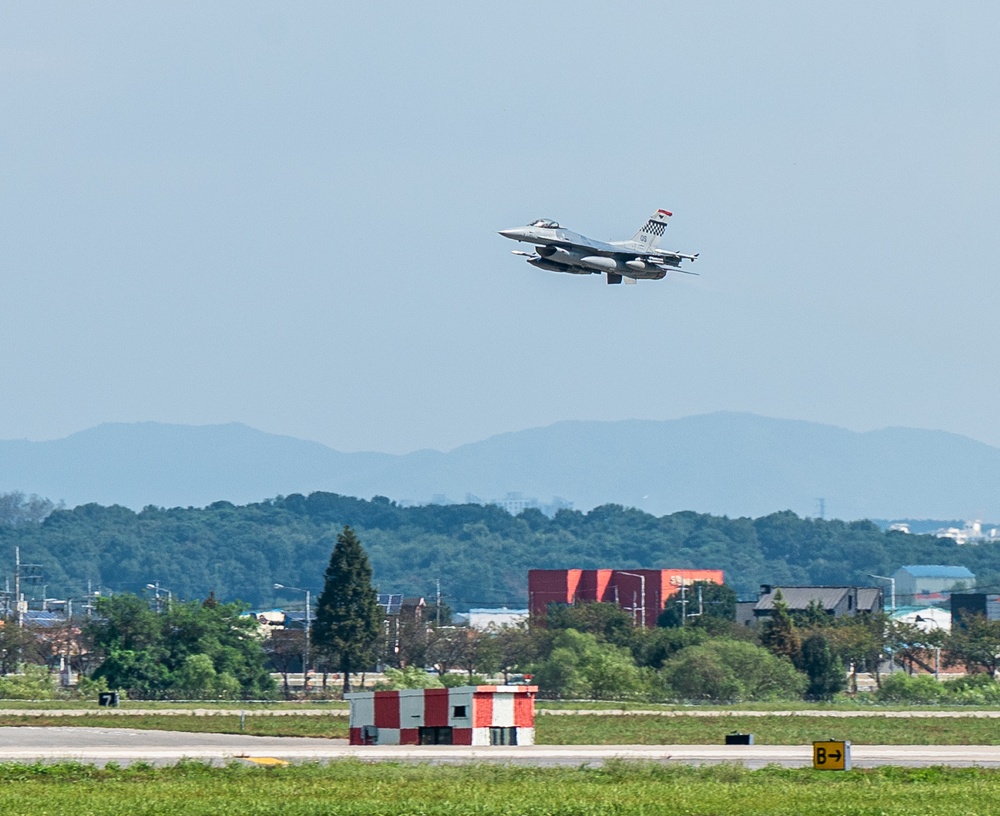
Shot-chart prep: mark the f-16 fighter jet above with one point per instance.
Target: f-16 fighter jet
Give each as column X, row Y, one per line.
column 560, row 250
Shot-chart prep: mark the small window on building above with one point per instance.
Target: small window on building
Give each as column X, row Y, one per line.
column 503, row 736
column 435, row 735
column 458, row 712
column 849, row 601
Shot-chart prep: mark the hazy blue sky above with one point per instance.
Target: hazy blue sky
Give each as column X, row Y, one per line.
column 286, row 214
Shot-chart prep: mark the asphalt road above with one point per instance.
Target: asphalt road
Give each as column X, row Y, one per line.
column 99, row 746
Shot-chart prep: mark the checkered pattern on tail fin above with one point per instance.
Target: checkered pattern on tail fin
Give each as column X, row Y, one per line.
column 652, row 232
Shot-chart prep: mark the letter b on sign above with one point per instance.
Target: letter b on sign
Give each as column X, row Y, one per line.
column 832, row 756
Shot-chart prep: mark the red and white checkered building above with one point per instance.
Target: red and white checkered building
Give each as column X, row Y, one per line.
column 468, row 715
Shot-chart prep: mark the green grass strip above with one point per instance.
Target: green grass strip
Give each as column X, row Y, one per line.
column 637, row 729
column 617, row 788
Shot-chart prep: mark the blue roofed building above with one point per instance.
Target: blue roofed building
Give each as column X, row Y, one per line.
column 918, row 584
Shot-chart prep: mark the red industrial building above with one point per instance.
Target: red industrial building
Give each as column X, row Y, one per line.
column 643, row 592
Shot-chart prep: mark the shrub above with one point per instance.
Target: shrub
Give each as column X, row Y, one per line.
column 580, row 666
column 410, row 677
column 34, row 684
column 455, row 680
column 973, row 689
column 87, row 687
column 904, row 688
column 724, row 670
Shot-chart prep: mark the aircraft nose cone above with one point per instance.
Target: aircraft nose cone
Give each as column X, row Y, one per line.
column 515, row 234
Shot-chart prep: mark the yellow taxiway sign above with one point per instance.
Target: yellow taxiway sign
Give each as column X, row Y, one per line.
column 832, row 755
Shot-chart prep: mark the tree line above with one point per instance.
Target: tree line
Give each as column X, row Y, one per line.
column 480, row 554
column 593, row 651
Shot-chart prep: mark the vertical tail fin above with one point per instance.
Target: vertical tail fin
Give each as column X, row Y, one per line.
column 649, row 236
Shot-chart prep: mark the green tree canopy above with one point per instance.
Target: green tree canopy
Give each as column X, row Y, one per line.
column 347, row 615
column 481, row 554
column 975, row 644
column 190, row 649
column 581, row 666
column 721, row 670
column 779, row 634
column 822, row 667
column 606, row 621
column 706, row 604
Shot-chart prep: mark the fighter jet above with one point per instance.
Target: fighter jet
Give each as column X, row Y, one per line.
column 560, row 250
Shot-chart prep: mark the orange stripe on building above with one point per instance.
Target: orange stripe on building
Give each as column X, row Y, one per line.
column 483, row 709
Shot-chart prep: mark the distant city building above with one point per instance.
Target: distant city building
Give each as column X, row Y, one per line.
column 927, row 618
column 273, row 618
column 970, row 533
column 965, row 605
column 836, row 601
column 485, row 618
column 642, row 592
column 281, row 619
column 37, row 618
column 918, row 584
column 899, row 527
column 515, row 504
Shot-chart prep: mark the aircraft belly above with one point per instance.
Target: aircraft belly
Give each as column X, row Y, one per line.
column 552, row 266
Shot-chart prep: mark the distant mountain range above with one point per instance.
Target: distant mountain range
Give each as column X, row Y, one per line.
column 733, row 464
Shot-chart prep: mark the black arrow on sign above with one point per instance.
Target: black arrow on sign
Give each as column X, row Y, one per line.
column 835, row 756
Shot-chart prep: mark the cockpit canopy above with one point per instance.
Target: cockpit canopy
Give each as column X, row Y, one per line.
column 544, row 223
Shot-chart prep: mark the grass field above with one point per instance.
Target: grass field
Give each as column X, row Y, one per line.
column 617, row 788
column 285, row 726
column 595, row 730
column 652, row 730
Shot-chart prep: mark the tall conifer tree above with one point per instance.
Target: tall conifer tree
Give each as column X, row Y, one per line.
column 779, row 634
column 348, row 618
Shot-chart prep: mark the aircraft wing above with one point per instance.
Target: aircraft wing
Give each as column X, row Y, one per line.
column 674, row 256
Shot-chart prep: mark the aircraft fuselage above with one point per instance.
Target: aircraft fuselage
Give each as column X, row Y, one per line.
column 562, row 250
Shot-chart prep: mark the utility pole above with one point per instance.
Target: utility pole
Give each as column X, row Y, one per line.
column 306, row 644
column 438, row 603
column 305, row 659
column 684, row 603
column 157, row 589
column 642, row 592
column 17, row 585
column 892, row 588
column 24, row 573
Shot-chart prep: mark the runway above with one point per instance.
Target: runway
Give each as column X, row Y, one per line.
column 99, row 746
column 911, row 714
